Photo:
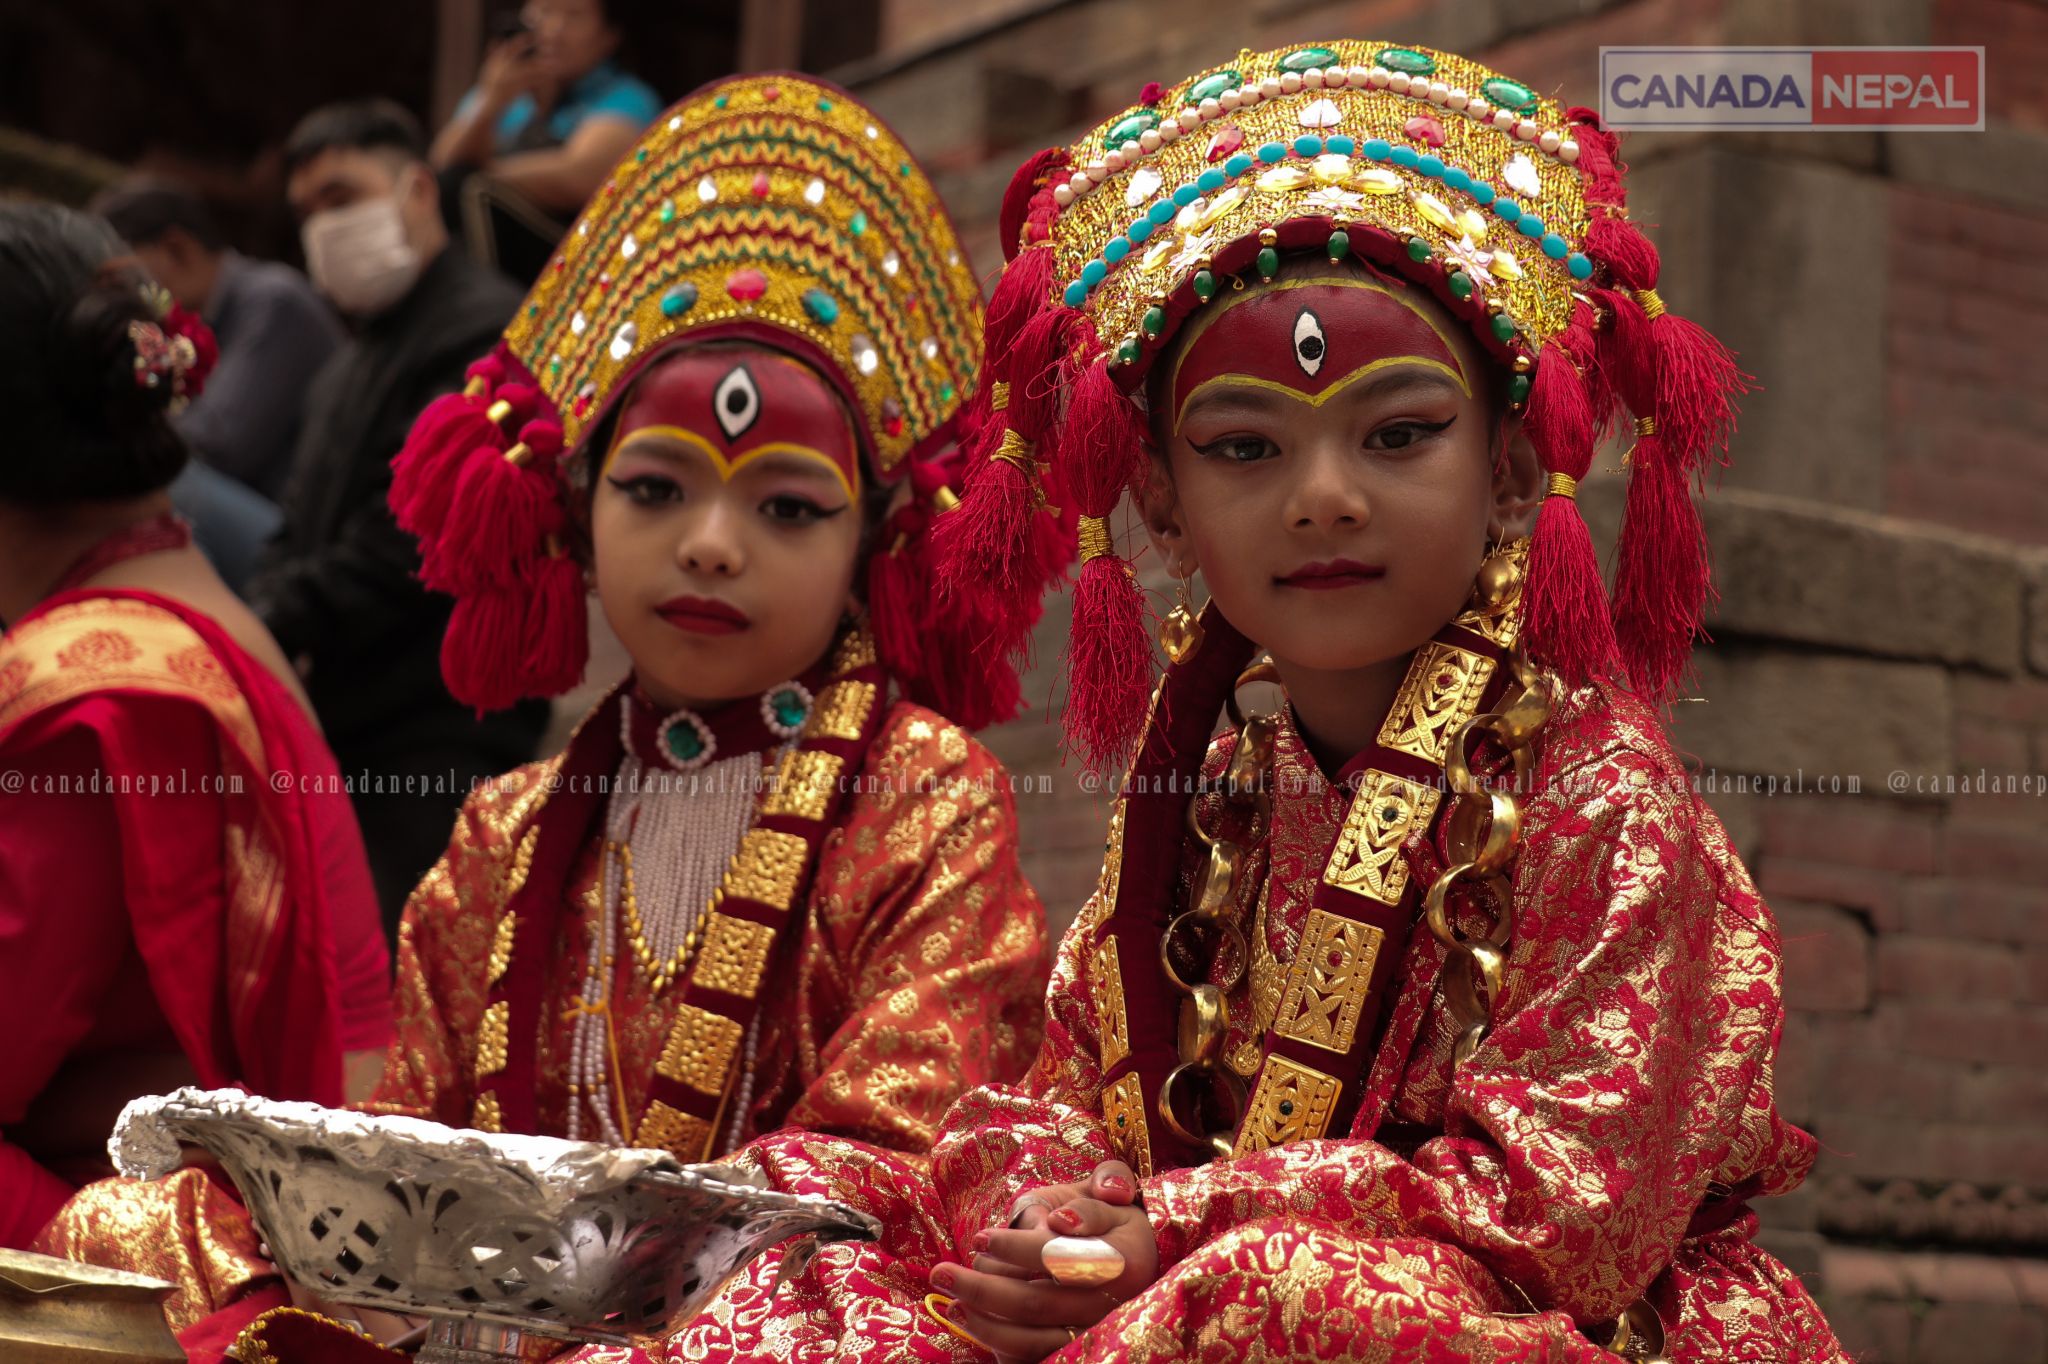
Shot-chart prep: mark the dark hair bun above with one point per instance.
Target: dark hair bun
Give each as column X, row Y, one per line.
column 87, row 430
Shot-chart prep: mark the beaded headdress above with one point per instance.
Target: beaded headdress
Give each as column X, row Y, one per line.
column 771, row 208
column 1506, row 206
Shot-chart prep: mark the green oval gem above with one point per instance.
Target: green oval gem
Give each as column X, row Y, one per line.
column 1307, row 59
column 640, row 155
column 1129, row 128
column 1127, row 353
column 1205, row 285
column 1155, row 320
column 789, row 706
column 1461, row 285
column 1214, row 85
column 679, row 300
column 1418, row 249
column 1339, row 245
column 1269, row 262
column 1509, row 94
column 858, row 223
column 945, row 393
column 1518, row 388
column 721, row 101
column 1406, row 59
column 1503, row 327
column 822, row 307
column 824, row 106
column 668, row 210
column 685, row 742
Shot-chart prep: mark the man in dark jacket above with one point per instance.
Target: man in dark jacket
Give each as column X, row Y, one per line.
column 337, row 587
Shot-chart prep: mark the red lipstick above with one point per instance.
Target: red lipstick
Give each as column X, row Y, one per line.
column 1328, row 577
column 703, row 616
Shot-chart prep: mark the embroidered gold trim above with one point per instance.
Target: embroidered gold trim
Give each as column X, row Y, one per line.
column 700, row 1050
column 687, row 1137
column 807, row 780
column 734, row 956
column 1111, row 1021
column 501, row 946
column 1123, row 1113
column 1440, row 692
column 1292, row 1103
column 767, row 867
column 491, row 1038
column 1367, row 859
column 522, row 862
column 1327, row 984
column 486, row 1115
column 856, row 650
column 842, row 710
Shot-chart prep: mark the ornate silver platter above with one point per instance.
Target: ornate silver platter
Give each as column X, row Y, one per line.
column 572, row 1240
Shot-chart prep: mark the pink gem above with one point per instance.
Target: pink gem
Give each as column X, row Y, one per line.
column 760, row 185
column 1425, row 128
column 1228, row 139
column 771, row 92
column 747, row 284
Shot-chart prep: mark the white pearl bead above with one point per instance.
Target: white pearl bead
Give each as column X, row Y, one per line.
column 1113, row 162
column 1097, row 172
column 1456, row 98
column 1568, row 151
column 1398, row 82
column 1290, row 82
column 1132, row 150
column 1079, row 182
column 1478, row 109
column 1312, row 79
column 1169, row 131
column 1361, row 77
column 1336, row 78
column 1063, row 195
column 1211, row 108
column 1550, row 141
column 1504, row 119
column 1380, row 76
column 1527, row 130
column 1150, row 140
column 1230, row 99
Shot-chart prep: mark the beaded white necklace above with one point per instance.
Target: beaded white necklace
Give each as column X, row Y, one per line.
column 669, row 838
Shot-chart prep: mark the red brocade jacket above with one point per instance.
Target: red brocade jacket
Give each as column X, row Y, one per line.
column 1599, row 1147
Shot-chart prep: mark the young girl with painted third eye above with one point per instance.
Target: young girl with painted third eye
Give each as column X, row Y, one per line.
column 771, row 882
column 1440, row 1024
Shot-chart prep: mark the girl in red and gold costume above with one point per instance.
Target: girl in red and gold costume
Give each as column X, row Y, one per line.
column 183, row 893
column 1438, row 1023
column 771, row 881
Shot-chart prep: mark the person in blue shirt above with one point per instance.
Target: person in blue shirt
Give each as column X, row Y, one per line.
column 551, row 112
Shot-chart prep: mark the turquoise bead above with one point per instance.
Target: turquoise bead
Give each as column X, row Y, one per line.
column 1308, row 145
column 1456, row 178
column 1377, row 148
column 1404, row 157
column 1093, row 272
column 823, row 308
column 1431, row 166
column 1139, row 230
column 1272, row 151
column 1186, row 195
column 1341, row 144
column 1210, row 180
column 1508, row 209
column 1554, row 246
column 1529, row 225
column 1482, row 192
column 1237, row 165
column 1116, row 249
column 1161, row 213
column 1076, row 295
column 1579, row 264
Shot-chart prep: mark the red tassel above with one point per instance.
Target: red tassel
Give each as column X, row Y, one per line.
column 556, row 639
column 423, row 472
column 1109, row 665
column 500, row 517
column 1102, row 442
column 1027, row 202
column 1567, row 620
column 1661, row 577
column 1697, row 383
column 990, row 541
column 1558, row 417
column 480, row 654
column 1628, row 255
column 898, row 594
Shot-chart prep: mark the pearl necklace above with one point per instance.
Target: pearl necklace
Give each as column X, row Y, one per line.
column 669, row 839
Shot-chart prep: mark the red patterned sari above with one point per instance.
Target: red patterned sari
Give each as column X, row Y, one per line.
column 174, row 914
column 1600, row 1146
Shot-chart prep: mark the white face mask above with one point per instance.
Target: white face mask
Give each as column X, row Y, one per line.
column 359, row 256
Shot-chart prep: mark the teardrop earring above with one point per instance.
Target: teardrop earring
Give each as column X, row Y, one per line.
column 1180, row 634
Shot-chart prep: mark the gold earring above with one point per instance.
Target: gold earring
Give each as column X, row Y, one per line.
column 1499, row 580
column 1180, row 634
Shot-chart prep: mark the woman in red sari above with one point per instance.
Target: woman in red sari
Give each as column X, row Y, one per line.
column 183, row 893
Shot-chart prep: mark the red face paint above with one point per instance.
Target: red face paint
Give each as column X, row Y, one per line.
column 736, row 406
column 1312, row 338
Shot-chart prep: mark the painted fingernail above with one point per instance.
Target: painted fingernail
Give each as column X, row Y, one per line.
column 1066, row 1217
column 979, row 1242
column 1116, row 1184
column 944, row 1279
